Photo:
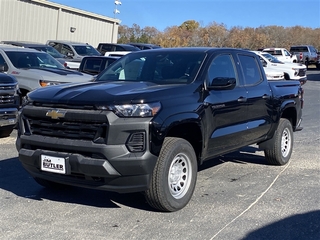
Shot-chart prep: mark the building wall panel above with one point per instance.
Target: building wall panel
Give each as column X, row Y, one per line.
column 39, row 21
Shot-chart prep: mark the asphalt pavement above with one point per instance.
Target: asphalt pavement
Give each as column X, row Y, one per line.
column 237, row 196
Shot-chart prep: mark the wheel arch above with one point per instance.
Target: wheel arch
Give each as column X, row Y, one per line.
column 186, row 126
column 288, row 110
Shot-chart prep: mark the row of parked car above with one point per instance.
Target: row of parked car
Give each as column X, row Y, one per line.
column 305, row 54
column 26, row 66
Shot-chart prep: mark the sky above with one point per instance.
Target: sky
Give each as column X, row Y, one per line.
column 232, row 13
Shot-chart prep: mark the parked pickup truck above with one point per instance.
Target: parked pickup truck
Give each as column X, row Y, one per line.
column 152, row 117
column 306, row 54
column 9, row 104
column 292, row 71
column 282, row 54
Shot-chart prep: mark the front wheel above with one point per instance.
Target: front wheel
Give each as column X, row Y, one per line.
column 174, row 177
column 5, row 131
column 280, row 151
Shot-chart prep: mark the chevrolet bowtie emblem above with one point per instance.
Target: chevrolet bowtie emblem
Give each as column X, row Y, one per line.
column 56, row 114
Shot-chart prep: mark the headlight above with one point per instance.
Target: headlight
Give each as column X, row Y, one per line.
column 44, row 83
column 136, row 110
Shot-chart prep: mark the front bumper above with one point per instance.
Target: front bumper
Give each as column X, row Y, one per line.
column 8, row 117
column 113, row 159
column 120, row 171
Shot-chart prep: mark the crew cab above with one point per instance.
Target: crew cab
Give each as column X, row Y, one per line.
column 9, row 104
column 282, row 54
column 293, row 71
column 34, row 69
column 152, row 117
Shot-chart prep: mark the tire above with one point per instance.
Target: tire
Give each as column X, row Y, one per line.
column 174, row 177
column 5, row 131
column 307, row 63
column 280, row 151
column 49, row 184
column 318, row 66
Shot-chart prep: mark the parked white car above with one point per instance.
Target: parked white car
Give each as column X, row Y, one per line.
column 294, row 71
column 34, row 69
column 273, row 74
column 282, row 54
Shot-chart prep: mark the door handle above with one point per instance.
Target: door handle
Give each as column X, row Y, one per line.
column 266, row 96
column 242, row 99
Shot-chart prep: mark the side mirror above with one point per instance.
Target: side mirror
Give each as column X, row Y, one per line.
column 4, row 67
column 221, row 83
column 70, row 55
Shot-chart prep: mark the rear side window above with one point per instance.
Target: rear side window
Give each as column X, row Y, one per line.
column 299, row 49
column 274, row 52
column 251, row 70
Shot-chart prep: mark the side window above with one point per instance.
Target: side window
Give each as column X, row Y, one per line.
column 251, row 70
column 221, row 68
column 286, row 53
column 66, row 49
column 2, row 61
column 107, row 48
column 119, row 48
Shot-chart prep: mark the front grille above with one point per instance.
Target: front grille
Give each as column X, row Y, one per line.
column 6, row 99
column 7, row 94
column 76, row 124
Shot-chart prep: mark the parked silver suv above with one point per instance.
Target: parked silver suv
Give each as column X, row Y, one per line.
column 74, row 51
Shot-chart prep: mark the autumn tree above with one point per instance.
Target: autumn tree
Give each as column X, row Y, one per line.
column 190, row 33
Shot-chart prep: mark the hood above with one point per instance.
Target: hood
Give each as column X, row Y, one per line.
column 116, row 92
column 53, row 74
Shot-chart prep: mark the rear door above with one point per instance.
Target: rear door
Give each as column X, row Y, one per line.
column 259, row 104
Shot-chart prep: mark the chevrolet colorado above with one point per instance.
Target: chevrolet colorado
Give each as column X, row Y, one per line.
column 152, row 117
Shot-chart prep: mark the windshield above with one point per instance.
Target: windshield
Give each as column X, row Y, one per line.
column 86, row 50
column 33, row 60
column 160, row 67
column 50, row 50
column 271, row 58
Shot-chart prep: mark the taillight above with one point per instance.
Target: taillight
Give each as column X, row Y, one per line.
column 301, row 56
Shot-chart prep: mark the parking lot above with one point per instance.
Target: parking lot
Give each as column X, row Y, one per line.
column 237, row 196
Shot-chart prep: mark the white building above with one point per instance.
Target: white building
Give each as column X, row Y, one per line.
column 41, row 20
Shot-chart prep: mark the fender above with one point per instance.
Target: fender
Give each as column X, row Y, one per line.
column 168, row 125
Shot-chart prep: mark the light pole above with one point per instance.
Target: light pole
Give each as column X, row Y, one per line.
column 115, row 12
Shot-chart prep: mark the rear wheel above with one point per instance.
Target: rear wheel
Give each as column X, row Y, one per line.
column 174, row 177
column 280, row 151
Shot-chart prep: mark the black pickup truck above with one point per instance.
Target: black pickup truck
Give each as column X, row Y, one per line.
column 9, row 104
column 152, row 117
